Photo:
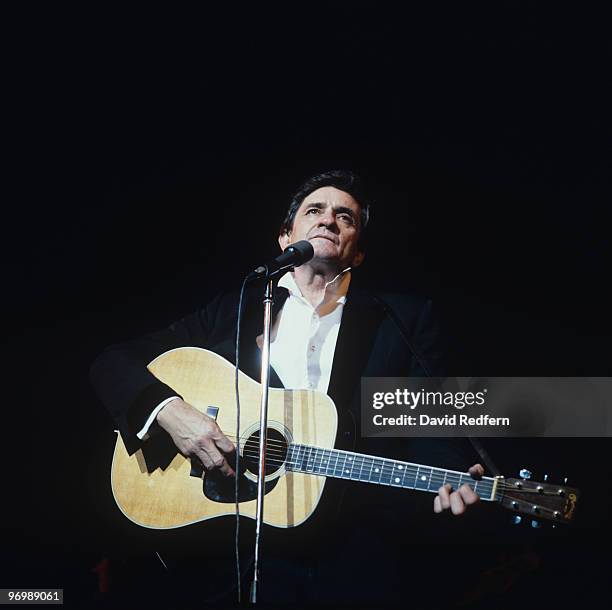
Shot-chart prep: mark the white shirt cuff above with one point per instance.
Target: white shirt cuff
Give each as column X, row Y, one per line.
column 143, row 434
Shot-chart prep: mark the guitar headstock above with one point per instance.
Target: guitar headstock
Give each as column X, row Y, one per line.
column 538, row 500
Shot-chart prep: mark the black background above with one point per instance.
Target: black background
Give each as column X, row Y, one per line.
column 151, row 155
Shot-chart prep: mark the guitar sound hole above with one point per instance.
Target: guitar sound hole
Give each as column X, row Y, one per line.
column 276, row 452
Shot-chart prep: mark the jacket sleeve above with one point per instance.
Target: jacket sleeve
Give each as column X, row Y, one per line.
column 424, row 336
column 122, row 381
column 455, row 453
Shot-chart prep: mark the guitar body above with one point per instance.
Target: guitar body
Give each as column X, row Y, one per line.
column 173, row 498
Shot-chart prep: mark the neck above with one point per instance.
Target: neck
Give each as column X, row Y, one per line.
column 313, row 280
column 340, row 464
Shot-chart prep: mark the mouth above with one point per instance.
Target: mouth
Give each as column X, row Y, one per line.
column 324, row 237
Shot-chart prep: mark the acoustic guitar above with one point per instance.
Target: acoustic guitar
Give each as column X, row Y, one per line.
column 302, row 427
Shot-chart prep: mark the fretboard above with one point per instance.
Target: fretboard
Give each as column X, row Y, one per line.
column 381, row 471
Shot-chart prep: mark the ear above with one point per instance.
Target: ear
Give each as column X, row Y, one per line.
column 358, row 259
column 284, row 240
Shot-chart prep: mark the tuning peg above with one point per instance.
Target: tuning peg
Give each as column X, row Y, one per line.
column 565, row 481
column 524, row 473
column 516, row 520
column 535, row 524
column 545, row 477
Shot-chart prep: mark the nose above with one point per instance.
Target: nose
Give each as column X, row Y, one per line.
column 327, row 219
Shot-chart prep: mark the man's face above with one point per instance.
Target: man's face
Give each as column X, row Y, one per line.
column 331, row 220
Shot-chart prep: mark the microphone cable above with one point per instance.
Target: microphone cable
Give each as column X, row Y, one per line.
column 237, row 465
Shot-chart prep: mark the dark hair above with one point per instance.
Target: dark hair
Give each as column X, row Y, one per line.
column 343, row 180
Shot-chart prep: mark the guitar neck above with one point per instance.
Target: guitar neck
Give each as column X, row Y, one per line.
column 382, row 471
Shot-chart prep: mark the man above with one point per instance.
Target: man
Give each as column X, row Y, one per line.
column 326, row 335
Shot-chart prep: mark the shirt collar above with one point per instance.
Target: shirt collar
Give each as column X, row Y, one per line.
column 336, row 288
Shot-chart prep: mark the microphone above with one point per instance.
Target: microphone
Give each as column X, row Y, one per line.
column 293, row 256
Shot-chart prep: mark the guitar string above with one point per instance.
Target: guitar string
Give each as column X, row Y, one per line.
column 437, row 473
column 543, row 509
column 436, row 476
column 278, row 448
column 489, row 485
column 357, row 458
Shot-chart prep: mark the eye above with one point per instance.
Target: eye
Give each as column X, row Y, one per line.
column 310, row 210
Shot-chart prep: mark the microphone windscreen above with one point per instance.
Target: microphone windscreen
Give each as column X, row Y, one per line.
column 304, row 249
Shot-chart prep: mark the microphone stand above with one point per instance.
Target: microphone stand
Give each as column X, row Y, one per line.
column 263, row 427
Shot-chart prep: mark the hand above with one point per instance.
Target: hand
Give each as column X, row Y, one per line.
column 196, row 435
column 460, row 499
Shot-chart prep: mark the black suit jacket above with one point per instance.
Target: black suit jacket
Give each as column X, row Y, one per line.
column 380, row 335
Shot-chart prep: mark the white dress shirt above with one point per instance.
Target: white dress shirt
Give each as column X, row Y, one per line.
column 303, row 339
column 302, row 348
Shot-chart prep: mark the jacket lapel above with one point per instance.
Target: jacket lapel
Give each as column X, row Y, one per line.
column 361, row 319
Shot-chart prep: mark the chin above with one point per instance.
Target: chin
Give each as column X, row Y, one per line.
column 324, row 250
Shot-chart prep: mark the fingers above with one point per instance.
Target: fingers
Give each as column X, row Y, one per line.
column 211, row 445
column 212, row 459
column 476, row 471
column 222, row 441
column 468, row 495
column 444, row 496
column 457, row 500
column 445, row 500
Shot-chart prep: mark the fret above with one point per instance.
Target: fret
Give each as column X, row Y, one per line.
column 291, row 458
column 437, row 479
column 316, row 457
column 312, row 458
column 334, row 473
column 308, row 467
column 316, row 451
column 371, row 470
column 361, row 468
column 487, row 492
column 298, row 458
column 377, row 470
column 349, row 464
column 404, row 470
column 386, row 474
column 466, row 478
column 342, row 474
column 452, row 478
column 410, row 477
column 325, row 460
column 395, row 479
column 423, row 478
column 306, row 457
column 364, row 469
column 340, row 464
